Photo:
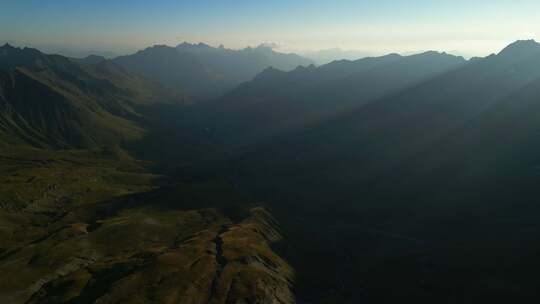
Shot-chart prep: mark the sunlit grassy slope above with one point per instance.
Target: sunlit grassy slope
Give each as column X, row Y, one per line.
column 84, row 225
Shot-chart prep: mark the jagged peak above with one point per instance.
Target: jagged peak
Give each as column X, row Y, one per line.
column 305, row 68
column 11, row 57
column 434, row 53
column 187, row 45
column 7, row 46
column 156, row 47
column 260, row 48
column 14, row 49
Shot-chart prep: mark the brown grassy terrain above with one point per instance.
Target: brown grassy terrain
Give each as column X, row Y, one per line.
column 87, row 226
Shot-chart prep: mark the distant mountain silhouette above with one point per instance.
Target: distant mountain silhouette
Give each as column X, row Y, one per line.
column 396, row 127
column 242, row 65
column 11, row 57
column 204, row 71
column 521, row 48
column 277, row 101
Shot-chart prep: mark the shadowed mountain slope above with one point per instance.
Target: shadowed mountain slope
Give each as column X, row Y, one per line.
column 50, row 101
column 279, row 102
column 395, row 177
column 438, row 179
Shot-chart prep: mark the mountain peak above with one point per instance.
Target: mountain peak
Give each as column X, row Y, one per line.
column 7, row 46
column 269, row 73
column 302, row 68
column 521, row 47
column 187, row 45
column 157, row 49
column 435, row 53
column 11, row 57
column 8, row 49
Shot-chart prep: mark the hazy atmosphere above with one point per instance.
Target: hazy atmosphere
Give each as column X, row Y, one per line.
column 468, row 28
column 269, row 152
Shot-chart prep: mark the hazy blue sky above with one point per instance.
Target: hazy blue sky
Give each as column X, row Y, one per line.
column 473, row 27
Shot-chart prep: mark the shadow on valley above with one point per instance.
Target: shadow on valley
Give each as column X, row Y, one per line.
column 394, row 177
column 218, row 195
column 427, row 192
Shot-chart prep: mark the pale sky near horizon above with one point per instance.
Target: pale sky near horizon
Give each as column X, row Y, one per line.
column 470, row 28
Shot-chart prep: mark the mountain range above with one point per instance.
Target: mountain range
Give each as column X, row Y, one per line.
column 50, row 100
column 202, row 71
column 276, row 101
column 249, row 176
column 437, row 175
column 82, row 220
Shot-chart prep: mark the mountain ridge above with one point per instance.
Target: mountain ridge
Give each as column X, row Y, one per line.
column 281, row 100
column 94, row 104
column 202, row 71
column 412, row 175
